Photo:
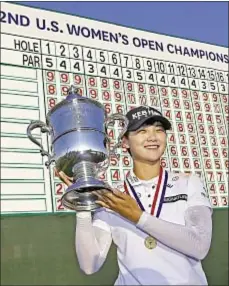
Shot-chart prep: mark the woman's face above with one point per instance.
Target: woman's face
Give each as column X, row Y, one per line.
column 148, row 143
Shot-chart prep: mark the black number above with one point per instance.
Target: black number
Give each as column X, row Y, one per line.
column 173, row 80
column 103, row 70
column 149, row 65
column 77, row 66
column 192, row 72
column 129, row 74
column 137, row 63
column 114, row 59
column 220, row 76
column 116, row 72
column 76, row 52
column 211, row 75
column 204, row 86
column 162, row 79
column 151, row 77
column 49, row 62
column 171, row 68
column 139, row 76
column 181, row 70
column 126, row 58
column 91, row 68
column 48, row 46
column 89, row 55
column 193, row 83
column 223, row 87
column 101, row 57
column 62, row 53
column 183, row 82
column 63, row 64
column 161, row 67
column 201, row 73
column 212, row 85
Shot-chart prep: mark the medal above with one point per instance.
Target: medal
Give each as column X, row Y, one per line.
column 150, row 242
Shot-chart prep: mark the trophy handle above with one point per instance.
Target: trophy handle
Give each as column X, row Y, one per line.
column 112, row 119
column 44, row 129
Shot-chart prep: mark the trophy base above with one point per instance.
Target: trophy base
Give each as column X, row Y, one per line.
column 79, row 196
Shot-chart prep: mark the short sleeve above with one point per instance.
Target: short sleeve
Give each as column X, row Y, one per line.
column 197, row 192
column 101, row 219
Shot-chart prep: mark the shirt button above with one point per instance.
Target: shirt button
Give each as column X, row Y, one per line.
column 153, row 187
column 149, row 196
column 150, row 206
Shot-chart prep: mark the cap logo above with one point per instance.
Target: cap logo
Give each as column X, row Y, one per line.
column 144, row 113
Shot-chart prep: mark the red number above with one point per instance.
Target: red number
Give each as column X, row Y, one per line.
column 93, row 93
column 197, row 105
column 115, row 175
column 142, row 99
column 216, row 152
column 190, row 127
column 225, row 153
column 106, row 95
column 126, row 161
column 59, row 188
column 118, row 96
column 64, row 77
column 50, row 76
column 119, row 108
column 113, row 160
column 214, row 97
column 167, row 113
column 152, row 89
column 165, row 102
column 51, row 89
column 225, row 99
column 212, row 188
column 154, row 101
column 92, row 81
column 196, row 163
column 64, row 90
column 185, row 93
column 203, row 140
column 129, row 86
column 174, row 92
column 103, row 176
column 164, row 163
column 116, row 84
column 214, row 201
column 226, row 108
column 223, row 142
column 186, row 163
column 172, row 138
column 187, row 104
column 180, row 127
column 164, row 91
column 111, row 134
column 208, row 164
column 107, row 108
column 224, row 200
column 141, row 88
column 205, row 152
column 184, row 150
column 59, row 205
column 173, row 150
column 131, row 98
column 213, row 141
column 195, row 95
column 178, row 115
column 218, row 119
column 105, row 83
column 210, row 176
column 219, row 176
column 205, row 97
column 51, row 102
column 175, row 163
column 207, row 107
column 192, row 139
column 217, row 164
column 182, row 139
column 194, row 151
column 201, row 129
column 222, row 188
column 226, row 162
column 77, row 79
column 188, row 116
column 176, row 103
column 126, row 172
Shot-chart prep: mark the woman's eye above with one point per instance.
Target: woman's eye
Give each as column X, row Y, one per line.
column 160, row 129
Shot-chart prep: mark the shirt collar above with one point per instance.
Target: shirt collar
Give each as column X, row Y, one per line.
column 135, row 181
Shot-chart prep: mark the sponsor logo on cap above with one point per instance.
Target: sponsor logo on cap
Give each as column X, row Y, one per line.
column 145, row 113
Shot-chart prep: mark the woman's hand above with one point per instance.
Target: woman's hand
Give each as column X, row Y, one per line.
column 63, row 177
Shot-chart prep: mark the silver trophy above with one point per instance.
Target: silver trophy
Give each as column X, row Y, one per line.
column 80, row 146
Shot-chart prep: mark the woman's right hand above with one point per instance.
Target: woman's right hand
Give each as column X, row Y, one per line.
column 63, row 177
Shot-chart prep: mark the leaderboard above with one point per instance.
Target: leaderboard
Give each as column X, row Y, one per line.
column 44, row 52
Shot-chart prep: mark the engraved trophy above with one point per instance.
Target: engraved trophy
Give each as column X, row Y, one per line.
column 80, row 146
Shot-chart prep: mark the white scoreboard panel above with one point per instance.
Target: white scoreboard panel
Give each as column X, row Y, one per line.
column 43, row 53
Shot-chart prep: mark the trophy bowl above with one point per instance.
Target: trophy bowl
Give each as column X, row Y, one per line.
column 80, row 146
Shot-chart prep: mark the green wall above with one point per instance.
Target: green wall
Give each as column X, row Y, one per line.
column 39, row 250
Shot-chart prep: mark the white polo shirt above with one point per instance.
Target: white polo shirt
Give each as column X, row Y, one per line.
column 162, row 265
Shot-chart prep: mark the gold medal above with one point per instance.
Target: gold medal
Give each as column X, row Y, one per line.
column 150, row 242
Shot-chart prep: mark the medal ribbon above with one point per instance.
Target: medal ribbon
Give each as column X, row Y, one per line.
column 161, row 187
